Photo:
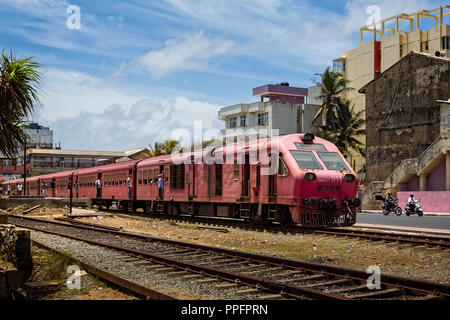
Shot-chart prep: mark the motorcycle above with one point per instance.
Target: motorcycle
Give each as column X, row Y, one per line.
column 412, row 208
column 391, row 206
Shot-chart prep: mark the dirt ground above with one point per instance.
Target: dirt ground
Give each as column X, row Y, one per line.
column 53, row 267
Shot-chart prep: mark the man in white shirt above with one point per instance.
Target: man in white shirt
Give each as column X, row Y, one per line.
column 411, row 202
column 19, row 189
column 98, row 184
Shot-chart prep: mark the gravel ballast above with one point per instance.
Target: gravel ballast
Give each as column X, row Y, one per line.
column 114, row 262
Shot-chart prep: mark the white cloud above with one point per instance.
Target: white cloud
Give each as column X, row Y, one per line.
column 192, row 53
column 121, row 127
column 66, row 93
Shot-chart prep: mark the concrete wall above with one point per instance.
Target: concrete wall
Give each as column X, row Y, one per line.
column 403, row 116
column 436, row 178
column 430, row 201
column 15, row 247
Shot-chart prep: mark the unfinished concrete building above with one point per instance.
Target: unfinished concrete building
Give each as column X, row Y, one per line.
column 390, row 40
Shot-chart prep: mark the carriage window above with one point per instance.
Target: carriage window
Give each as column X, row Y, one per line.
column 309, row 146
column 145, row 176
column 333, row 161
column 306, row 159
column 140, row 177
column 235, row 170
column 177, row 177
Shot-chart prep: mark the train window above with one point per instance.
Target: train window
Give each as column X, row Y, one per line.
column 333, row 161
column 218, row 187
column 235, row 170
column 310, row 146
column 145, row 176
column 177, row 177
column 306, row 159
column 140, row 177
column 258, row 176
column 282, row 168
column 166, row 175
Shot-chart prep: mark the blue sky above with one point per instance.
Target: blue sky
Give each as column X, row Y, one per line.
column 137, row 70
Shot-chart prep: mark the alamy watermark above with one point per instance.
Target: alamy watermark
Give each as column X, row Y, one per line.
column 232, row 146
column 74, row 281
column 374, row 280
column 74, row 20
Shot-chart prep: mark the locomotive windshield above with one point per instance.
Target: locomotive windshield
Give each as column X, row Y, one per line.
column 306, row 159
column 332, row 161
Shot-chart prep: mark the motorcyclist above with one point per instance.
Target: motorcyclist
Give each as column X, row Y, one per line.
column 387, row 201
column 411, row 202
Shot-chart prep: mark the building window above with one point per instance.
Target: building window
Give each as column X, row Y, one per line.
column 232, row 122
column 339, row 65
column 424, row 46
column 445, row 43
column 263, row 119
column 243, row 122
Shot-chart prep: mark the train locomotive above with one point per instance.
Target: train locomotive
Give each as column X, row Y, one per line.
column 312, row 183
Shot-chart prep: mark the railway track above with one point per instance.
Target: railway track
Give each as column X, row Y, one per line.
column 251, row 275
column 426, row 241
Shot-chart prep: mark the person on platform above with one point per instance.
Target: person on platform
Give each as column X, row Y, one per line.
column 19, row 189
column 44, row 189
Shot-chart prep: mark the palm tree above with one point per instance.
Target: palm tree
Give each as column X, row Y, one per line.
column 349, row 126
column 157, row 150
column 170, row 145
column 332, row 85
column 19, row 82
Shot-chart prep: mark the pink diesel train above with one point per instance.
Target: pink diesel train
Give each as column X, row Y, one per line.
column 312, row 183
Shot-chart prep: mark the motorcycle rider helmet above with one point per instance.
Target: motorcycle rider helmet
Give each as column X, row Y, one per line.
column 411, row 195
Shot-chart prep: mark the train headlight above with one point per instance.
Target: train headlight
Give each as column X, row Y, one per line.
column 310, row 176
column 349, row 178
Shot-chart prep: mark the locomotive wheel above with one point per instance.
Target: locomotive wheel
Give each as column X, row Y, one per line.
column 398, row 211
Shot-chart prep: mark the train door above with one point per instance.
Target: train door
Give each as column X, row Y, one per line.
column 192, row 181
column 272, row 180
column 246, row 176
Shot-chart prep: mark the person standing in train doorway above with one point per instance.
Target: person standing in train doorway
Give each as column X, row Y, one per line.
column 19, row 189
column 98, row 185
column 53, row 186
column 130, row 186
column 160, row 187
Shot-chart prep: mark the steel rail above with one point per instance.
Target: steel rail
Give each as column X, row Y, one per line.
column 419, row 240
column 109, row 277
column 426, row 286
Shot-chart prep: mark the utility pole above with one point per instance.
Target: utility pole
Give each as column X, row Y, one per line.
column 25, row 169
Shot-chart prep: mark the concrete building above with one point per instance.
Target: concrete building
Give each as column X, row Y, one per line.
column 408, row 132
column 285, row 111
column 40, row 137
column 43, row 161
column 391, row 40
